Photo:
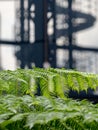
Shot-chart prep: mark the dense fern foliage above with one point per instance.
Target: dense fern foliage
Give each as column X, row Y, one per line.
column 50, row 82
column 41, row 113
column 22, row 109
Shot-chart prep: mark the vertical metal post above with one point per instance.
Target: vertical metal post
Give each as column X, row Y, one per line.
column 54, row 35
column 28, row 20
column 22, row 19
column 23, row 57
column 39, row 28
column 70, row 34
column 45, row 6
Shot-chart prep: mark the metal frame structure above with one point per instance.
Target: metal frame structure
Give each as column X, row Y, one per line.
column 43, row 48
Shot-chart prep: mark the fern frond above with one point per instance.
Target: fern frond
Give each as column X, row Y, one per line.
column 76, row 80
column 50, row 82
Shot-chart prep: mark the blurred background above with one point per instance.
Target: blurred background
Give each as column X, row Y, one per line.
column 50, row 33
column 42, row 33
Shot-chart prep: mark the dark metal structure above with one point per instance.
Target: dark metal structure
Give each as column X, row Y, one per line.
column 37, row 13
column 46, row 28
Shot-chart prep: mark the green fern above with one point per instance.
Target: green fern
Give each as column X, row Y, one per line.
column 50, row 82
column 21, row 109
column 41, row 113
column 77, row 80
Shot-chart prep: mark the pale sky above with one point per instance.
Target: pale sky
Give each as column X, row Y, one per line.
column 7, row 11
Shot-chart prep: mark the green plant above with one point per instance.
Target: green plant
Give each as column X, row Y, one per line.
column 22, row 109
column 41, row 113
column 50, row 82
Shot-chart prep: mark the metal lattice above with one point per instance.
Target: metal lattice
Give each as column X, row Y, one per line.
column 46, row 32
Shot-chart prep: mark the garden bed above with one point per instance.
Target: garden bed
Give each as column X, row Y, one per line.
column 22, row 109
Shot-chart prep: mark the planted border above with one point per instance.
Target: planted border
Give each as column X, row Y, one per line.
column 50, row 82
column 22, row 109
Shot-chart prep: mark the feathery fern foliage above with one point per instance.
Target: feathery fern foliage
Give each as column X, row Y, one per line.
column 50, row 82
column 22, row 109
column 41, row 113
